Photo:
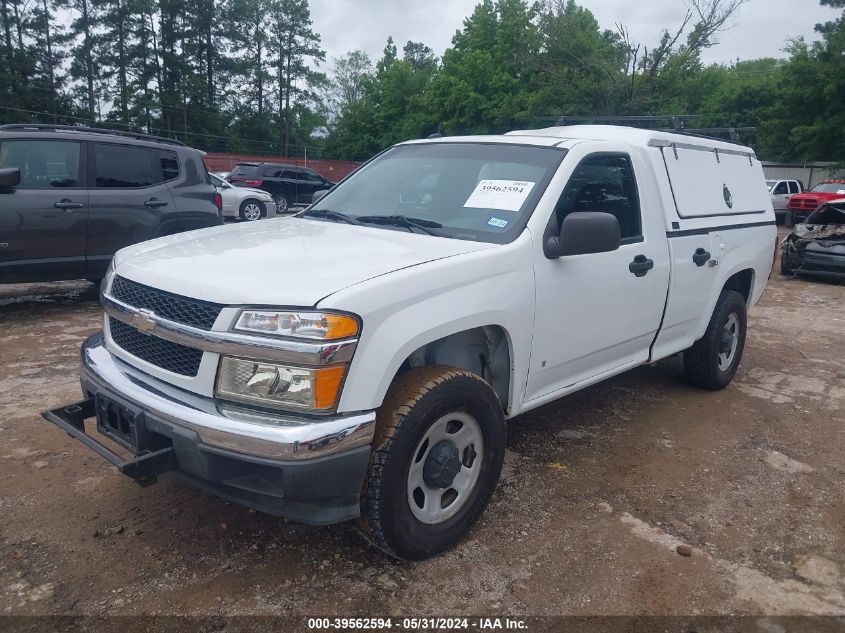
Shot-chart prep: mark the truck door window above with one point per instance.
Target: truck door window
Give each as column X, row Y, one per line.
column 604, row 183
column 43, row 164
column 125, row 167
column 793, row 187
column 781, row 189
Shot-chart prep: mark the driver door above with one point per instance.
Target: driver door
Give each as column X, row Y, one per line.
column 43, row 221
column 597, row 314
column 780, row 196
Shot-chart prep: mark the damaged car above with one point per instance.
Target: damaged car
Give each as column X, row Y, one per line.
column 817, row 246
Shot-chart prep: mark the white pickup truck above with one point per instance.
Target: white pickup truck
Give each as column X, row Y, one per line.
column 359, row 360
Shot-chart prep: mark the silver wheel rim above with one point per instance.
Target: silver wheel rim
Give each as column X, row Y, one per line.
column 282, row 204
column 728, row 342
column 252, row 212
column 434, row 504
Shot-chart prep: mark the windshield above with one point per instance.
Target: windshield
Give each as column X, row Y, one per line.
column 827, row 214
column 830, row 187
column 216, row 181
column 771, row 183
column 470, row 191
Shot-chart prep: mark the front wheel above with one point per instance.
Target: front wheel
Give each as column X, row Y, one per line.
column 437, row 456
column 251, row 210
column 712, row 362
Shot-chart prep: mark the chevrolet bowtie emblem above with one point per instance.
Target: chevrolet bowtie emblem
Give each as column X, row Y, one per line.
column 143, row 321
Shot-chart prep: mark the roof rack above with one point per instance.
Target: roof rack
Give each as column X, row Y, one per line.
column 88, row 130
column 678, row 123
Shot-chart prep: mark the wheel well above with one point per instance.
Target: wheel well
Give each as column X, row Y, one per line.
column 742, row 282
column 484, row 351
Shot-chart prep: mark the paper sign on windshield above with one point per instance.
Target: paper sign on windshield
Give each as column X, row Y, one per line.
column 505, row 195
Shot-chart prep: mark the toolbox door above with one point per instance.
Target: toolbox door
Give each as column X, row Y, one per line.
column 709, row 182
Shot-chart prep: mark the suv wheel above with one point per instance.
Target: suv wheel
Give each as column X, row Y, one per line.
column 712, row 362
column 282, row 202
column 251, row 210
column 438, row 451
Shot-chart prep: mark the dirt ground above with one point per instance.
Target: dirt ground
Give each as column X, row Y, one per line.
column 599, row 489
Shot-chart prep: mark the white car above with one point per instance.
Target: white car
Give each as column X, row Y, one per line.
column 245, row 203
column 358, row 361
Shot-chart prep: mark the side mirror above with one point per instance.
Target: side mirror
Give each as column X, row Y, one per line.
column 10, row 177
column 583, row 233
column 318, row 194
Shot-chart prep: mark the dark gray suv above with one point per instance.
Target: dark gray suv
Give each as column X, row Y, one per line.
column 70, row 197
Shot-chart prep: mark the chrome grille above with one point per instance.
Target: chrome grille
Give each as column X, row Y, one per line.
column 174, row 357
column 200, row 314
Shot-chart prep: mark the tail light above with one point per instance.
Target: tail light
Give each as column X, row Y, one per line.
column 218, row 202
column 252, row 183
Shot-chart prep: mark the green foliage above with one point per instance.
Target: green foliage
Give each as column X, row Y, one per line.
column 516, row 65
column 244, row 75
column 219, row 74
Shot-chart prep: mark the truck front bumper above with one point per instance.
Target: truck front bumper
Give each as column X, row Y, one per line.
column 305, row 469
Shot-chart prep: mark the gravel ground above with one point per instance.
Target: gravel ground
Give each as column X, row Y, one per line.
column 599, row 490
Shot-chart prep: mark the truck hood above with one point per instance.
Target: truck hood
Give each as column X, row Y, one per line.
column 284, row 261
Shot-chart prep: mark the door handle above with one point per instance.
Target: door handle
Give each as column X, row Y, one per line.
column 153, row 203
column 700, row 257
column 641, row 265
column 68, row 204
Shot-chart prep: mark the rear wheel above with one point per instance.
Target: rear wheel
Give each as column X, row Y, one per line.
column 712, row 362
column 437, row 456
column 251, row 210
column 282, row 202
column 789, row 220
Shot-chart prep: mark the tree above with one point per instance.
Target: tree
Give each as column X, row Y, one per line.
column 349, row 76
column 47, row 54
column 116, row 28
column 84, row 51
column 580, row 67
column 489, row 72
column 296, row 43
column 813, row 91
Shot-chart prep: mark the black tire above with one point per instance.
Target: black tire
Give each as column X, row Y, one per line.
column 416, row 400
column 785, row 263
column 789, row 220
column 282, row 202
column 247, row 213
column 701, row 361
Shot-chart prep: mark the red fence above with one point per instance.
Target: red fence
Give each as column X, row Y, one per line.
column 332, row 170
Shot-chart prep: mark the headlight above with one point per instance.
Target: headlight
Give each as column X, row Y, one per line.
column 258, row 382
column 320, row 326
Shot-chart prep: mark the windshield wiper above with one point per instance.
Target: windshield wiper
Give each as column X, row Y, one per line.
column 426, row 226
column 328, row 214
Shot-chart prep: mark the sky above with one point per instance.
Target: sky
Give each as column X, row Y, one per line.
column 761, row 29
